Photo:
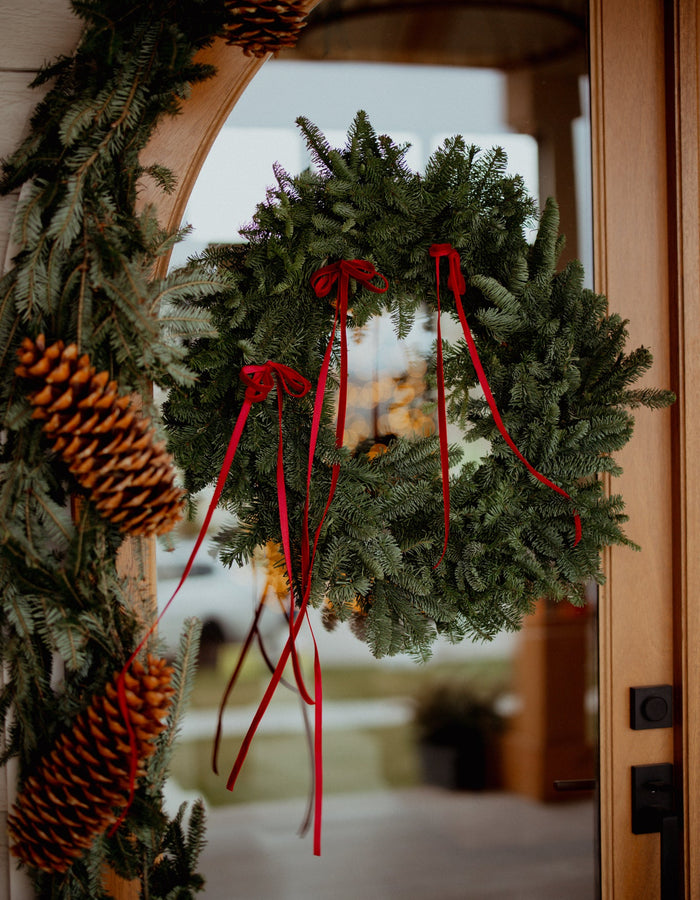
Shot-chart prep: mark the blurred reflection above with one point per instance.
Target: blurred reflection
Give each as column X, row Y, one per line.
column 439, row 778
column 387, row 390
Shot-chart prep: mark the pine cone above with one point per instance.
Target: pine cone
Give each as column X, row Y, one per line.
column 262, row 28
column 360, row 607
column 109, row 449
column 84, row 781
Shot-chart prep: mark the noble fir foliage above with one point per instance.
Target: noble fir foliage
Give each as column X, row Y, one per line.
column 555, row 359
column 83, row 272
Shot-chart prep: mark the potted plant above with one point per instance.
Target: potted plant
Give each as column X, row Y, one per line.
column 457, row 728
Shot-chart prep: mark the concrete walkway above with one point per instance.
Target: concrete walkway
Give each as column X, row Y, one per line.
column 415, row 844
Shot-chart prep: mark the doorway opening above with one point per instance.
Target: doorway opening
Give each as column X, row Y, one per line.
column 516, row 834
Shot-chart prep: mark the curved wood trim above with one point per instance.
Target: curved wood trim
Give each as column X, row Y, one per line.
column 182, row 142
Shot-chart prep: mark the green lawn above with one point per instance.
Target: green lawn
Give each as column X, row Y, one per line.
column 350, row 682
column 356, row 759
column 277, row 766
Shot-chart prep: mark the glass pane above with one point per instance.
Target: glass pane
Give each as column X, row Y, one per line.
column 516, row 819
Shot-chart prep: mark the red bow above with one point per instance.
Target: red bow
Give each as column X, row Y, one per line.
column 360, row 269
column 261, row 380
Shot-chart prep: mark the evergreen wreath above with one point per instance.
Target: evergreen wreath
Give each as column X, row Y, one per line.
column 554, row 356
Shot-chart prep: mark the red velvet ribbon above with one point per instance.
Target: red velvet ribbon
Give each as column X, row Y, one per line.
column 458, row 286
column 260, row 380
column 322, row 281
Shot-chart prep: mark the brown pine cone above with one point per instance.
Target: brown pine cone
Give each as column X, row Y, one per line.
column 83, row 782
column 267, row 27
column 109, row 449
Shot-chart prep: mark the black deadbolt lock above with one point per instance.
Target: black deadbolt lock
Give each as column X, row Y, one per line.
column 651, row 707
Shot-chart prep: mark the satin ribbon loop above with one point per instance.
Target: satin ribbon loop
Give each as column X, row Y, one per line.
column 323, row 279
column 455, row 279
column 361, row 270
column 259, row 382
column 293, row 383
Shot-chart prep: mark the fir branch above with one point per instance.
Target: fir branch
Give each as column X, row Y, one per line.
column 83, row 272
column 182, row 681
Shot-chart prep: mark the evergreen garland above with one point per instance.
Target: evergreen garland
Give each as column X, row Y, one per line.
column 554, row 356
column 83, row 274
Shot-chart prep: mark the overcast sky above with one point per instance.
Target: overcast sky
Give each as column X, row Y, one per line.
column 418, row 104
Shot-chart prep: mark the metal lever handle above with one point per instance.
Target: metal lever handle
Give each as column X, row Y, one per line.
column 655, row 809
column 575, row 784
column 670, row 856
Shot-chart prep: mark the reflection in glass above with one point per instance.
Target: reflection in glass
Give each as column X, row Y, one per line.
column 388, row 832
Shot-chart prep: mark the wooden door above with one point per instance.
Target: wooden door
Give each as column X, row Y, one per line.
column 645, row 100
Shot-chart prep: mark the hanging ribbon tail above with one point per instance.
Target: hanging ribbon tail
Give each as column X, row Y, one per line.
column 264, row 703
column 442, row 422
column 308, row 733
column 318, row 748
column 315, row 426
column 254, row 634
column 133, row 753
column 457, row 284
column 318, row 727
column 286, row 547
column 250, row 637
column 322, row 282
column 259, row 380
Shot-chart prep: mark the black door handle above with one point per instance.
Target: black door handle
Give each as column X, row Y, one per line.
column 670, row 837
column 655, row 808
column 575, row 784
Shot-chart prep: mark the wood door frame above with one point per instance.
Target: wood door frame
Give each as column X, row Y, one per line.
column 645, row 100
column 683, row 92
